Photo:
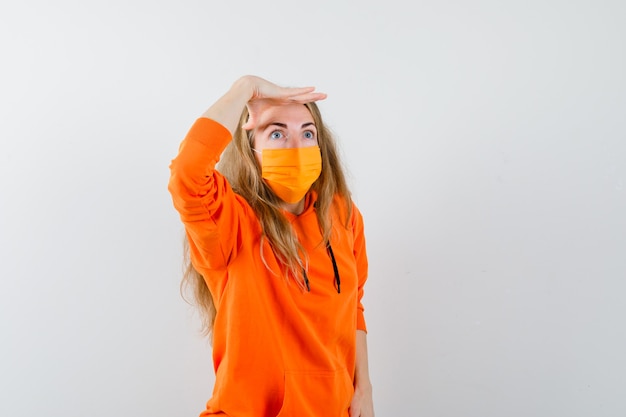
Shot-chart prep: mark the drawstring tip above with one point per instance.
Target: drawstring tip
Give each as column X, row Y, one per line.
column 306, row 280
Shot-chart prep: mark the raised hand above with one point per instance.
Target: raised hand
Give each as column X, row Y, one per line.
column 265, row 94
column 256, row 93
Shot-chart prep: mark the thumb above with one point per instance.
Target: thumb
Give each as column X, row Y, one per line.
column 255, row 107
column 250, row 123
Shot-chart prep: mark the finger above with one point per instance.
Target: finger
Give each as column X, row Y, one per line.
column 258, row 105
column 296, row 91
column 307, row 98
column 273, row 92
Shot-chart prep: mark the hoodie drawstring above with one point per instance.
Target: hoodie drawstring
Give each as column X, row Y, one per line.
column 329, row 249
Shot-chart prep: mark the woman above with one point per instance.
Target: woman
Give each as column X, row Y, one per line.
column 277, row 253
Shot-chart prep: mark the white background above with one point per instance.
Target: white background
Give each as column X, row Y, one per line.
column 486, row 145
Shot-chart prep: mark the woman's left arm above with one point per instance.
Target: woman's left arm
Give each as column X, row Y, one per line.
column 362, row 404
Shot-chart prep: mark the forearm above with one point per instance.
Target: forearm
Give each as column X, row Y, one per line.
column 228, row 108
column 361, row 375
column 362, row 404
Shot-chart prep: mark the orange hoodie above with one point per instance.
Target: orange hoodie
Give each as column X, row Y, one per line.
column 278, row 350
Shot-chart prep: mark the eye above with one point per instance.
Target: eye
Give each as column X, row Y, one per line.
column 308, row 134
column 276, row 135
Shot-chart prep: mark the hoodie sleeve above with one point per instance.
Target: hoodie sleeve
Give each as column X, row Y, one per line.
column 208, row 207
column 360, row 254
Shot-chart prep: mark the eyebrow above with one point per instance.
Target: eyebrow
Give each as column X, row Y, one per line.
column 284, row 126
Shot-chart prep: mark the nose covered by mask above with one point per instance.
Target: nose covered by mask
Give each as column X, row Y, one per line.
column 290, row 172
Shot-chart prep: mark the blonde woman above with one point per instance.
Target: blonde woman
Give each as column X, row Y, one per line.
column 276, row 254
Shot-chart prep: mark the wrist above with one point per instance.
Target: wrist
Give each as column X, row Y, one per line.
column 228, row 108
column 363, row 384
column 244, row 88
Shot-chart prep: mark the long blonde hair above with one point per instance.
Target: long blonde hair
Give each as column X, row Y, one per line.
column 240, row 167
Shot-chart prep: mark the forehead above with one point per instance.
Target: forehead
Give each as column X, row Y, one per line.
column 286, row 113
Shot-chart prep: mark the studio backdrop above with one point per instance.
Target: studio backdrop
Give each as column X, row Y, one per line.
column 486, row 148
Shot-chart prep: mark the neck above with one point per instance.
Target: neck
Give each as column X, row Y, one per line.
column 294, row 208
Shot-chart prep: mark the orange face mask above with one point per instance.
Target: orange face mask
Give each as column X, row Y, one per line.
column 290, row 172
